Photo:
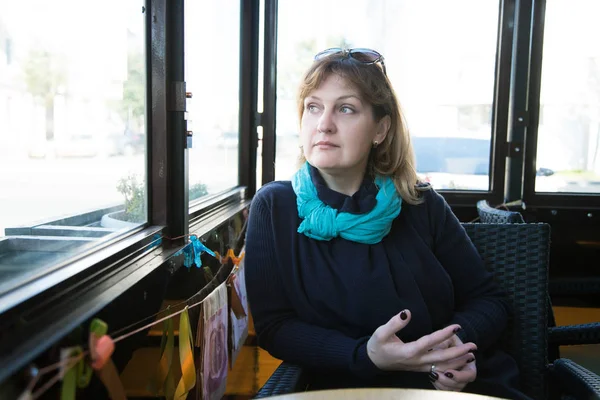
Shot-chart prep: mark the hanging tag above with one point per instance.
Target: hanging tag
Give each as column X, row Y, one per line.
column 212, row 340
column 236, row 302
column 186, row 357
column 238, row 312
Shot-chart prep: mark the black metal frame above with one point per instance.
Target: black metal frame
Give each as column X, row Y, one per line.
column 518, row 117
column 580, row 203
column 269, row 91
column 249, row 28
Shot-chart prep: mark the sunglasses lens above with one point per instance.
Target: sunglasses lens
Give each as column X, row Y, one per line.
column 365, row 55
column 328, row 52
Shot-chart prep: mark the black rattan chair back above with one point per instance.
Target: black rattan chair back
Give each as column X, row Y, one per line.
column 518, row 255
column 490, row 215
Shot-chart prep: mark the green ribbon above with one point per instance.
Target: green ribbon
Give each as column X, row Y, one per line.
column 186, row 357
column 98, row 327
column 76, row 375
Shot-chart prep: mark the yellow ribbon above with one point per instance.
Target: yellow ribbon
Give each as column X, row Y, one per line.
column 164, row 376
column 186, row 357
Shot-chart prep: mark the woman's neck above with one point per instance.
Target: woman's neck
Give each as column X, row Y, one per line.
column 347, row 183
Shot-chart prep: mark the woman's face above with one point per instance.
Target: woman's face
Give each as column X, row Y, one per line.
column 338, row 128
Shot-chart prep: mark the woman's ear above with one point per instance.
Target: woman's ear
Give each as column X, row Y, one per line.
column 383, row 127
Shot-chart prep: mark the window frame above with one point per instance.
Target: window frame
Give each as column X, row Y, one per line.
column 501, row 95
column 579, row 204
column 61, row 300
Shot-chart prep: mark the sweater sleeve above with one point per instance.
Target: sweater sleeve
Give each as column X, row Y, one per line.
column 481, row 308
column 279, row 329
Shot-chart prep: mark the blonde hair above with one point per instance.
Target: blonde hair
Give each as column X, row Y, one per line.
column 394, row 157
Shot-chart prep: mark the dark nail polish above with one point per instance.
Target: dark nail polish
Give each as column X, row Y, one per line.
column 470, row 360
column 403, row 315
column 433, row 376
column 449, row 375
column 456, row 330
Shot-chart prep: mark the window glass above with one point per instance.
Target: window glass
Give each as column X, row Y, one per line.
column 568, row 149
column 212, row 69
column 72, row 130
column 440, row 60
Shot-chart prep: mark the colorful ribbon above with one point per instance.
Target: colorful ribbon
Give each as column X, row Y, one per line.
column 186, row 357
column 230, row 256
column 75, row 375
column 164, row 375
column 192, row 252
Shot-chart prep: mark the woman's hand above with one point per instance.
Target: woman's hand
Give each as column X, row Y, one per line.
column 455, row 380
column 388, row 352
column 458, row 373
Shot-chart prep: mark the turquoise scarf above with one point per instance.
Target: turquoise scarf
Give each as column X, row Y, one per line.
column 321, row 222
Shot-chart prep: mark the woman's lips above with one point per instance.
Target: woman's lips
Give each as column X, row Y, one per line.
column 325, row 145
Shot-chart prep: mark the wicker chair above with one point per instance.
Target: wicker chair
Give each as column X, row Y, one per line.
column 490, row 215
column 566, row 335
column 518, row 255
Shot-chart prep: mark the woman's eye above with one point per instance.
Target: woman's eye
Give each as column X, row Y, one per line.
column 311, row 108
column 346, row 110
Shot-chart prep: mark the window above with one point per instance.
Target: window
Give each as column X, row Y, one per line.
column 439, row 58
column 73, row 137
column 212, row 74
column 568, row 147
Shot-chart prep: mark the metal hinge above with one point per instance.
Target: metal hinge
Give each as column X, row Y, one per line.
column 258, row 119
column 177, row 97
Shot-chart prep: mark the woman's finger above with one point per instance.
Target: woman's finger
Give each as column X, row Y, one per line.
column 442, row 356
column 457, row 363
column 436, row 338
column 395, row 324
column 448, row 381
column 465, row 375
column 435, row 381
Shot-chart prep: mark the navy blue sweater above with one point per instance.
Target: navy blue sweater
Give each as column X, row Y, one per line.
column 316, row 303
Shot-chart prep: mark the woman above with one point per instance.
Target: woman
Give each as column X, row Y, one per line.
column 355, row 270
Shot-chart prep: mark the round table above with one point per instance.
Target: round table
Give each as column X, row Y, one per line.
column 381, row 394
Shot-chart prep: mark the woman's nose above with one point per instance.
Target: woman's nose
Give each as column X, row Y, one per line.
column 326, row 123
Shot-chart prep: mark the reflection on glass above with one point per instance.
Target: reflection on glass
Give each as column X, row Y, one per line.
column 212, row 60
column 568, row 153
column 72, row 134
column 442, row 72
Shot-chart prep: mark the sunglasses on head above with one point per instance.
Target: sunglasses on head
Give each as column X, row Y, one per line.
column 364, row 56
